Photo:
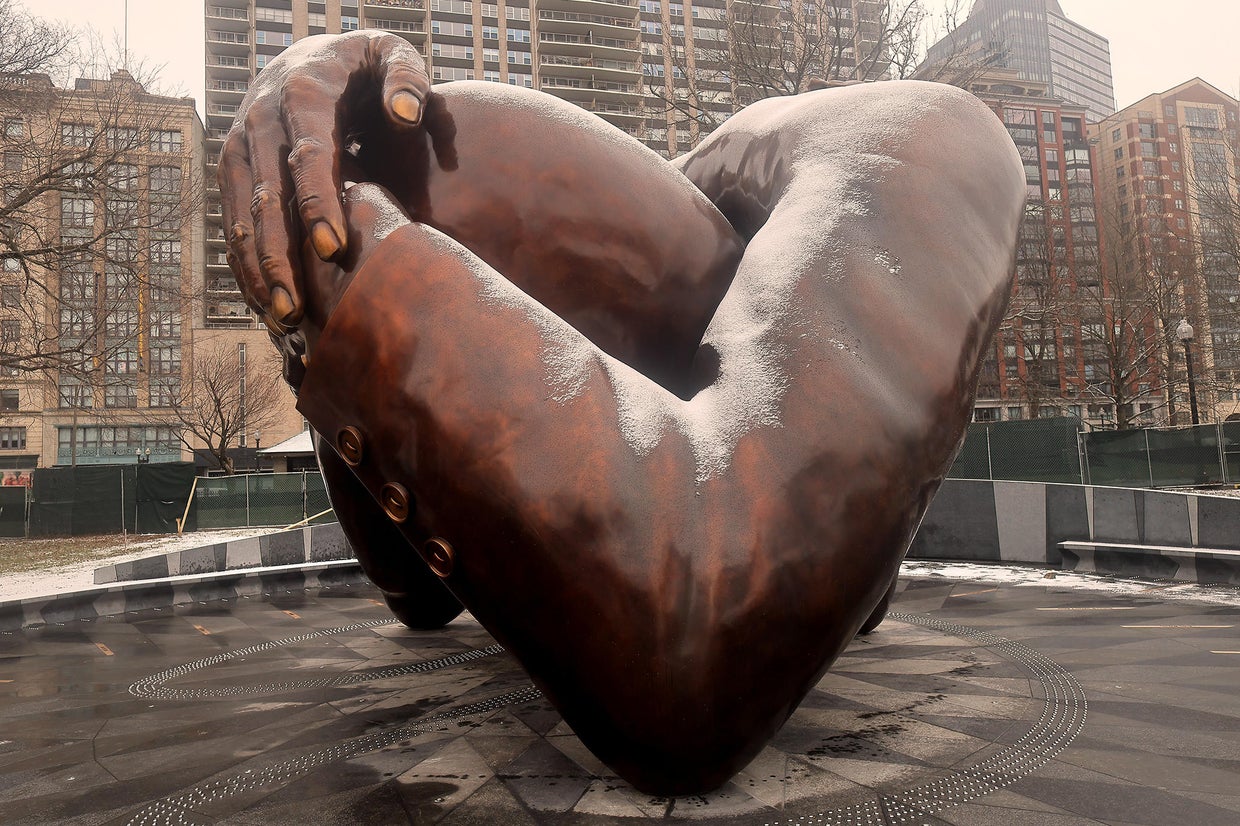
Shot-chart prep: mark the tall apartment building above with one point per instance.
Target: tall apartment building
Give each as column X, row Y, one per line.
column 1169, row 177
column 1035, row 38
column 116, row 297
column 621, row 59
column 1044, row 360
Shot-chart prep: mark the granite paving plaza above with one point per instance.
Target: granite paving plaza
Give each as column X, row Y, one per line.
column 975, row 703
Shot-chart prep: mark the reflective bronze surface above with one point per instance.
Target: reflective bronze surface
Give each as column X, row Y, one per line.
column 677, row 511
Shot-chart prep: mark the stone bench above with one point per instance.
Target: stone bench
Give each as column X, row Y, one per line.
column 1201, row 565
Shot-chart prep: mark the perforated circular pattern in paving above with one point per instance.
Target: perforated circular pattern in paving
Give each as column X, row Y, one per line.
column 919, row 717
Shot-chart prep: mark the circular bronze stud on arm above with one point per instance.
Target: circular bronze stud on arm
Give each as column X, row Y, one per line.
column 439, row 556
column 395, row 501
column 350, row 445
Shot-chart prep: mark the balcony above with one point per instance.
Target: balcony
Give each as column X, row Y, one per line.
column 585, row 44
column 225, row 42
column 584, row 23
column 226, row 18
column 593, row 88
column 587, row 65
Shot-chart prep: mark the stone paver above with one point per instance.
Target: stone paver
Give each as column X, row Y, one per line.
column 975, row 703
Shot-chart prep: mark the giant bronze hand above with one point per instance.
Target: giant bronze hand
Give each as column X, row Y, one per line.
column 675, row 548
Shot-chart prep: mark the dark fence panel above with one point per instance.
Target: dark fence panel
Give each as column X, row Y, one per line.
column 260, row 500
column 103, row 499
column 1171, row 457
column 1038, row 450
column 13, row 511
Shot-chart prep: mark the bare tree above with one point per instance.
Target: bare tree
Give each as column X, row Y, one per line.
column 28, row 44
column 91, row 220
column 224, row 398
column 955, row 60
column 751, row 51
column 1128, row 315
column 728, row 57
column 1212, row 233
column 1039, row 307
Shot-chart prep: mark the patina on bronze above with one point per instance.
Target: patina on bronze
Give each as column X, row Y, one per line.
column 665, row 429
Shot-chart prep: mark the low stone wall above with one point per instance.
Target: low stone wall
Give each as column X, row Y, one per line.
column 1025, row 521
column 314, row 543
column 121, row 598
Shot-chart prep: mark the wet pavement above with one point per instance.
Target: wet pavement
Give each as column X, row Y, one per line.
column 975, row 703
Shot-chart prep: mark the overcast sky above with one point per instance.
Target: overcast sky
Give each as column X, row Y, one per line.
column 1155, row 44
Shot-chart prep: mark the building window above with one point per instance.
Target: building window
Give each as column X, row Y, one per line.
column 273, row 15
column 14, row 128
column 166, row 252
column 490, row 33
column 262, row 37
column 985, row 414
column 10, row 400
column 12, row 438
column 521, row 58
column 73, row 393
column 1119, row 153
column 165, row 140
column 166, row 180
column 1173, row 148
column 76, row 134
column 1149, row 149
column 122, row 177
column 348, row 23
column 77, row 212
column 1201, row 116
column 120, row 395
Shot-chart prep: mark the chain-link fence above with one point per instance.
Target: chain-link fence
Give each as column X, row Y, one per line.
column 1207, row 454
column 261, row 500
column 1062, row 450
column 1037, row 450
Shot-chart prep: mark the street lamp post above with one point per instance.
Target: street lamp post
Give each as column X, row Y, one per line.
column 1185, row 333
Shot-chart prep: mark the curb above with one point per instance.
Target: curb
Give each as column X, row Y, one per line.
column 111, row 600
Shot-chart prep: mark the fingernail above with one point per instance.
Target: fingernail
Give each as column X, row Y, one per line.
column 281, row 304
column 305, row 361
column 277, row 329
column 406, row 107
column 325, row 240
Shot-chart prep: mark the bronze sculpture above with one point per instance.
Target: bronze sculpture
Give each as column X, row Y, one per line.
column 665, row 429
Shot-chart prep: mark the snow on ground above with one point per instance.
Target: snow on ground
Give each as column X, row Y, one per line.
column 1102, row 585
column 79, row 575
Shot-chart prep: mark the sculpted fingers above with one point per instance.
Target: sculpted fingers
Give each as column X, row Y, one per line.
column 274, row 234
column 236, row 185
column 314, row 163
column 405, row 83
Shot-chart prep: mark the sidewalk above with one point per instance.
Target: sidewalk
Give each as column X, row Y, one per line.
column 991, row 696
